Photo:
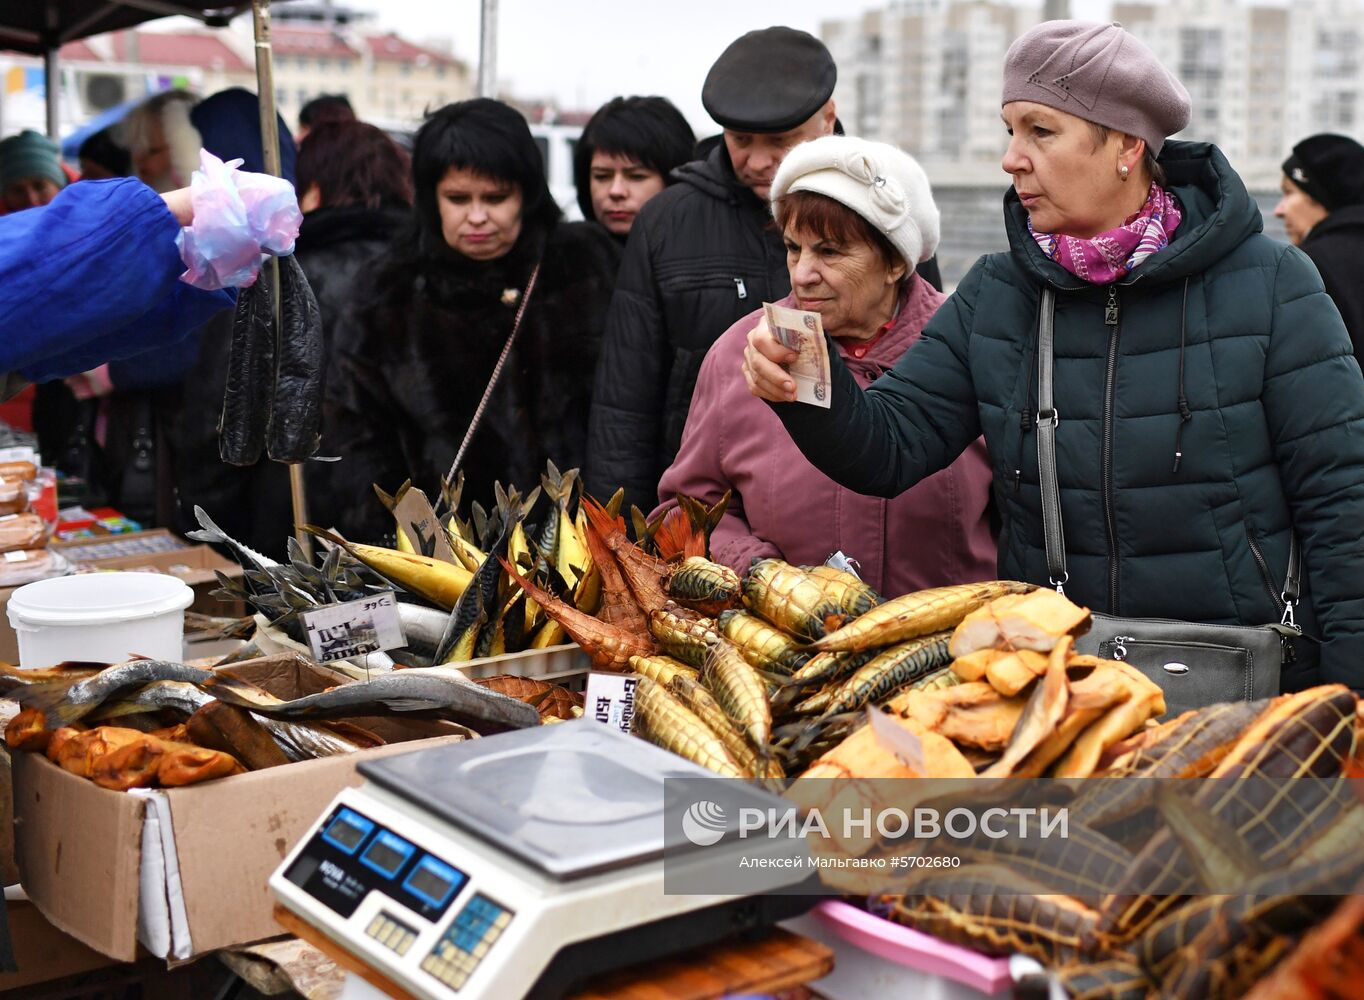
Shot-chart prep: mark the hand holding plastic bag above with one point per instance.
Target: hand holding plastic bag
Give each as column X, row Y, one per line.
column 238, row 215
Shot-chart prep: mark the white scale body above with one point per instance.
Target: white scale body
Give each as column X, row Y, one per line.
column 462, row 871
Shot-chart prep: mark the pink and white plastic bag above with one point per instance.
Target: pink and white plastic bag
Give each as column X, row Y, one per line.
column 238, row 216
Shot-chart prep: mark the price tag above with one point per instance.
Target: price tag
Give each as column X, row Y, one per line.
column 341, row 631
column 847, row 564
column 419, row 522
column 611, row 699
column 13, row 557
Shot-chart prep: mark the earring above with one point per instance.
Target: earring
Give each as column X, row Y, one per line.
column 1122, row 171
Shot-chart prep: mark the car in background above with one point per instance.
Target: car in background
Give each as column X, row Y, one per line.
column 557, row 143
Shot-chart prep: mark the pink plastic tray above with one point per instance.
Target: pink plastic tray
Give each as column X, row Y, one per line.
column 914, row 949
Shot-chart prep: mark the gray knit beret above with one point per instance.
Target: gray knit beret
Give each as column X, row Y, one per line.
column 1098, row 72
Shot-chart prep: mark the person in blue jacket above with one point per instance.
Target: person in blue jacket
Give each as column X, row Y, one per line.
column 94, row 277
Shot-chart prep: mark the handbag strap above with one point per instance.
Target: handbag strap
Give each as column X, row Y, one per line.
column 492, row 381
column 1047, row 419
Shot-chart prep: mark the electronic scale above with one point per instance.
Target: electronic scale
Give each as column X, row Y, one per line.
column 517, row 865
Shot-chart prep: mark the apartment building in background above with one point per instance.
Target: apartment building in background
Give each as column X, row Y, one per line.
column 926, row 75
column 1260, row 77
column 390, row 80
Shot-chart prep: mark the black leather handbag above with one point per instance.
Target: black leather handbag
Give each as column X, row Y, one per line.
column 1194, row 663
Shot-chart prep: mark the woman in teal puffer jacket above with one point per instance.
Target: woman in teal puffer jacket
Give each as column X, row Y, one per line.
column 1209, row 406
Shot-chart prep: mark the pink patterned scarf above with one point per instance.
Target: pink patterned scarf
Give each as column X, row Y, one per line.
column 1108, row 256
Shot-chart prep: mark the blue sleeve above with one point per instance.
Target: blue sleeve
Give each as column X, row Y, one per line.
column 93, row 277
column 168, row 365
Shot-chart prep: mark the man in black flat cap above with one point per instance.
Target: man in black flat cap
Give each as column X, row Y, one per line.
column 702, row 255
column 1323, row 213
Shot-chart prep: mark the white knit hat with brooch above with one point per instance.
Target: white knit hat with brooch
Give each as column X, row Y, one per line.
column 884, row 185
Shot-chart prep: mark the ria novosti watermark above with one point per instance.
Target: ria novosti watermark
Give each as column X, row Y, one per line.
column 704, row 823
column 1083, row 838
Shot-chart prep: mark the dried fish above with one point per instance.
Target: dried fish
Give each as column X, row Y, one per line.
column 791, row 599
column 765, row 647
column 662, row 719
column 423, row 689
column 296, row 403
column 916, row 614
column 250, row 375
column 65, row 703
column 888, row 671
column 708, row 587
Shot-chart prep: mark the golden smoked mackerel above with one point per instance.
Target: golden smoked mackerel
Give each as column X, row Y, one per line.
column 737, row 686
column 705, row 585
column 791, row 599
column 891, row 669
column 765, row 647
column 847, row 591
column 662, row 669
column 682, row 634
column 663, row 720
column 917, row 614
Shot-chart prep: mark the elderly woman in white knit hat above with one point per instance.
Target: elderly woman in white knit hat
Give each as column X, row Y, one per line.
column 857, row 217
column 1185, row 376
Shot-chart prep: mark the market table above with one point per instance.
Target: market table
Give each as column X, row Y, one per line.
column 756, row 962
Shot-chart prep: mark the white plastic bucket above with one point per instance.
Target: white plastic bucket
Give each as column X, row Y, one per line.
column 100, row 617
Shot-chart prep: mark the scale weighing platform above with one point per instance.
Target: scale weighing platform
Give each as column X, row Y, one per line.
column 517, row 865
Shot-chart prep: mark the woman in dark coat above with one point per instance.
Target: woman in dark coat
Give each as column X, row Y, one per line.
column 1206, row 406
column 417, row 346
column 355, row 189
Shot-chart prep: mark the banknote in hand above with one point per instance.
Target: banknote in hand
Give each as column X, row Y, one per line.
column 803, row 332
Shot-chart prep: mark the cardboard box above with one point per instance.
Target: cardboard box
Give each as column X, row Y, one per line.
column 87, row 855
column 195, row 564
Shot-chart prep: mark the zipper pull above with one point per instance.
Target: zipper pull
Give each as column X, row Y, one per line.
column 1111, row 309
column 739, row 287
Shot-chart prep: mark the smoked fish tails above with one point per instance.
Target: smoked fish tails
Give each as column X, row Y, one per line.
column 296, row 404
column 250, row 374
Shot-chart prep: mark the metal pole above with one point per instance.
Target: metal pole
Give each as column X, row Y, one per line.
column 50, row 71
column 52, row 43
column 487, row 49
column 269, row 134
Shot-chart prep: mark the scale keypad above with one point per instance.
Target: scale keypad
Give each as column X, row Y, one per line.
column 473, row 932
column 391, row 933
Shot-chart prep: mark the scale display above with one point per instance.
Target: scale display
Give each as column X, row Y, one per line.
column 353, row 856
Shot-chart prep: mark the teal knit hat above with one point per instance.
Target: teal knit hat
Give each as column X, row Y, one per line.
column 30, row 154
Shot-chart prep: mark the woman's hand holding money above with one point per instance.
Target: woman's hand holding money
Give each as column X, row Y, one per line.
column 763, row 360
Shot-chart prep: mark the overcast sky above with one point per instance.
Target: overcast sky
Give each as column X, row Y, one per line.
column 584, row 52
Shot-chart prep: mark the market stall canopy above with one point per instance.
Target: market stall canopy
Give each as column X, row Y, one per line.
column 36, row 26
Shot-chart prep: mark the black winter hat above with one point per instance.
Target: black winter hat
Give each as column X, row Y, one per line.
column 769, row 80
column 1330, row 168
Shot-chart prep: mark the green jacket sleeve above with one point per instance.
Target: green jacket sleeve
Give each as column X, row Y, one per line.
column 912, row 422
column 1314, row 404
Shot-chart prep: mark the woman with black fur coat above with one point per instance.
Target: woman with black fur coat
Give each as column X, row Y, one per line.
column 415, row 351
